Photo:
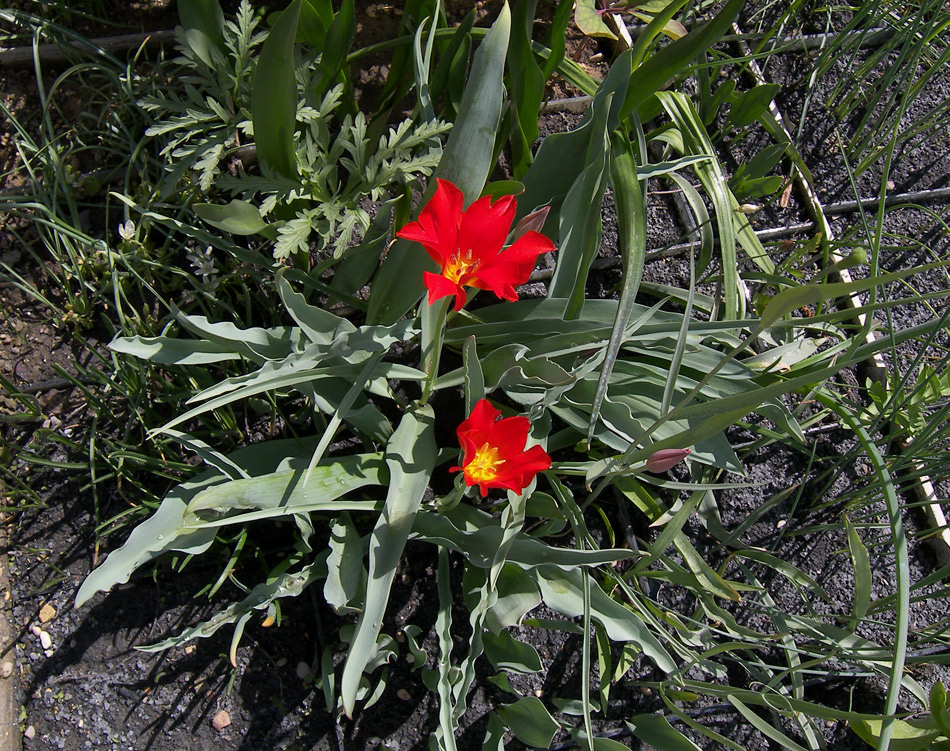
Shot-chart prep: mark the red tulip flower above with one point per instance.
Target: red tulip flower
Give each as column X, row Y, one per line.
column 493, row 454
column 468, row 245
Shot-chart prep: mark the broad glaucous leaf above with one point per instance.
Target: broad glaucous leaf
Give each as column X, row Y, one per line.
column 530, row 722
column 655, row 730
column 410, row 458
column 203, row 26
column 274, row 96
column 182, row 524
column 505, row 652
column 237, row 217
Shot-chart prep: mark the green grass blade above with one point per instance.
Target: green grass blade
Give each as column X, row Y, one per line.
column 285, row 584
column 556, row 42
column 173, row 526
column 674, row 57
column 469, row 152
column 630, row 200
column 679, row 349
column 765, row 727
column 579, row 222
column 696, row 142
column 862, row 573
column 526, row 83
column 474, row 376
column 445, row 735
column 563, row 156
column 901, row 564
column 656, row 730
column 653, row 30
column 563, row 591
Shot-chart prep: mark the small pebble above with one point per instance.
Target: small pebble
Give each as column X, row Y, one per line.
column 403, row 694
column 221, row 720
column 6, row 669
column 35, row 630
column 281, row 662
column 46, row 641
column 303, row 670
column 29, row 732
column 47, row 613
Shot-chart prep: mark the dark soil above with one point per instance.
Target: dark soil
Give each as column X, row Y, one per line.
column 92, row 689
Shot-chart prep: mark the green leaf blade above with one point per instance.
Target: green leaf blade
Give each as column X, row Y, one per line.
column 410, row 457
column 274, row 96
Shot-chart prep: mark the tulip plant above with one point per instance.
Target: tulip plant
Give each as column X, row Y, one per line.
column 573, row 405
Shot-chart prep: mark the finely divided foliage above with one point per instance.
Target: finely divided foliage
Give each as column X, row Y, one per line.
column 341, row 167
column 358, row 358
column 199, row 121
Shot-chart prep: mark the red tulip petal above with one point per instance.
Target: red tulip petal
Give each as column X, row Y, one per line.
column 530, row 244
column 445, row 211
column 481, row 420
column 510, row 435
column 440, row 287
column 437, row 226
column 473, row 434
column 484, row 226
column 523, row 254
column 507, row 439
column 527, row 464
column 512, row 267
column 500, row 279
column 424, row 233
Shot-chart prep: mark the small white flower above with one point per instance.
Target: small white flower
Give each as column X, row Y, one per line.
column 127, row 230
column 203, row 264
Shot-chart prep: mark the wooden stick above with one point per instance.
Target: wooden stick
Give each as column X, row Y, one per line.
column 52, row 54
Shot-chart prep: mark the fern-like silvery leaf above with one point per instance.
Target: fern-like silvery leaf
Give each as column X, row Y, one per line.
column 294, row 236
column 207, row 165
column 347, row 227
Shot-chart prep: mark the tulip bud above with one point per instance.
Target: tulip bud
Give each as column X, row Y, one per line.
column 664, row 459
column 533, row 222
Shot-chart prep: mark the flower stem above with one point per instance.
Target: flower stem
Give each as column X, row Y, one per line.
column 433, row 331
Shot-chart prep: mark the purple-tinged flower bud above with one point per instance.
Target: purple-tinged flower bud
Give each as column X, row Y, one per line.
column 533, row 222
column 664, row 459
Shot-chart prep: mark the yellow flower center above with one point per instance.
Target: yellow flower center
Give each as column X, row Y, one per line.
column 458, row 265
column 484, row 465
